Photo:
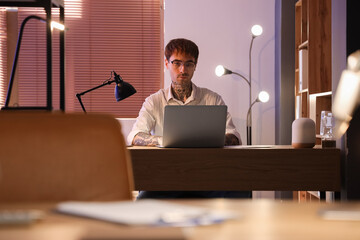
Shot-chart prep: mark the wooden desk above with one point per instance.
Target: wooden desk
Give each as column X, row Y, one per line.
column 274, row 168
column 260, row 219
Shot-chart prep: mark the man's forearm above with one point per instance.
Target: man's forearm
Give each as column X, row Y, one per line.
column 145, row 139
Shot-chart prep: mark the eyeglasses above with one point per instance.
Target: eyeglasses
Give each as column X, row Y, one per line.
column 188, row 65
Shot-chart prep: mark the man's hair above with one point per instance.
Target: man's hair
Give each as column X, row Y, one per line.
column 182, row 45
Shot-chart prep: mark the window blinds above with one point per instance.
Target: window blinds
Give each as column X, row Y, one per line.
column 101, row 36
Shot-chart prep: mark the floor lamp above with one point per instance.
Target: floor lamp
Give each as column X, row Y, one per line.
column 220, row 70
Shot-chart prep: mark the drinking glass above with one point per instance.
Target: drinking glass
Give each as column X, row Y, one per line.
column 327, row 125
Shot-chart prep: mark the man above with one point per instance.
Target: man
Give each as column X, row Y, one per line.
column 181, row 57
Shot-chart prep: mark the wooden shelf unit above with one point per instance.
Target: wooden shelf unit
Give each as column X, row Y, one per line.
column 313, row 88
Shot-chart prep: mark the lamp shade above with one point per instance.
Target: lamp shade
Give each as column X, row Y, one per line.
column 221, row 70
column 124, row 90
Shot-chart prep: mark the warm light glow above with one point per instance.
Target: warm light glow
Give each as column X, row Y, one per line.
column 346, row 95
column 346, row 98
column 256, row 30
column 11, row 9
column 263, row 96
column 219, row 70
column 340, row 128
column 57, row 25
column 321, row 94
column 354, row 61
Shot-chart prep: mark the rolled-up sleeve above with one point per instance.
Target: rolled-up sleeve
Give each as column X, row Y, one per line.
column 145, row 122
column 230, row 126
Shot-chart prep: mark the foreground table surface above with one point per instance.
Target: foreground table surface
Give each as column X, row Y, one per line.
column 271, row 167
column 259, row 219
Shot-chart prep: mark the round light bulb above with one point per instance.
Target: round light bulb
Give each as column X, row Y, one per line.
column 219, row 70
column 263, row 96
column 256, row 30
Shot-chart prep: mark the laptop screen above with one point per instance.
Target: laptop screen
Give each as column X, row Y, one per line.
column 194, row 125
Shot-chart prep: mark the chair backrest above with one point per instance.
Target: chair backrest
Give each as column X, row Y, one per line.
column 58, row 157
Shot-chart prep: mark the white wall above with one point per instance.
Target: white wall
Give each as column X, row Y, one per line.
column 221, row 29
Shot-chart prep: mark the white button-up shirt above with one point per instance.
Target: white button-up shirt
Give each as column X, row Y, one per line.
column 151, row 115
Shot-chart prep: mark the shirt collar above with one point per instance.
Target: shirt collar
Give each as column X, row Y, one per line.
column 192, row 97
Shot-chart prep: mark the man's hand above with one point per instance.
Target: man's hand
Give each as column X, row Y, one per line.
column 231, row 139
column 145, row 139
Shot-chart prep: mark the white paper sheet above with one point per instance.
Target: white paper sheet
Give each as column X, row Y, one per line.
column 145, row 212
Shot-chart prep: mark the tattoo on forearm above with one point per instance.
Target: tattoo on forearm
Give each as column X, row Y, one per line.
column 145, row 139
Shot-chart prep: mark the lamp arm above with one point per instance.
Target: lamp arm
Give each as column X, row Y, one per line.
column 78, row 95
column 91, row 89
column 251, row 44
column 81, row 103
column 18, row 44
column 242, row 77
column 248, row 122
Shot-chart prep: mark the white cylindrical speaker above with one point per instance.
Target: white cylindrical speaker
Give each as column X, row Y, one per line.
column 303, row 133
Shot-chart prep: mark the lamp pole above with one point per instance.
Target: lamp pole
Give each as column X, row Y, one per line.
column 248, row 123
column 249, row 115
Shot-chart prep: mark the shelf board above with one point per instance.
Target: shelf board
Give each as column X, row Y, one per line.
column 321, row 94
column 304, row 45
column 314, row 193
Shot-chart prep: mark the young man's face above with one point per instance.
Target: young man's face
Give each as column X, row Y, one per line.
column 181, row 68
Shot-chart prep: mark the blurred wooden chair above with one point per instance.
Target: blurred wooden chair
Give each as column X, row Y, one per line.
column 48, row 156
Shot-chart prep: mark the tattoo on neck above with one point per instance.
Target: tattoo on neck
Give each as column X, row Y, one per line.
column 181, row 92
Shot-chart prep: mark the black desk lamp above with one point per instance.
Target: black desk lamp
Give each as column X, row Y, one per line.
column 122, row 89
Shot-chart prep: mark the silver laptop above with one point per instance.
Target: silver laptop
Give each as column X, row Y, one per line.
column 194, row 126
